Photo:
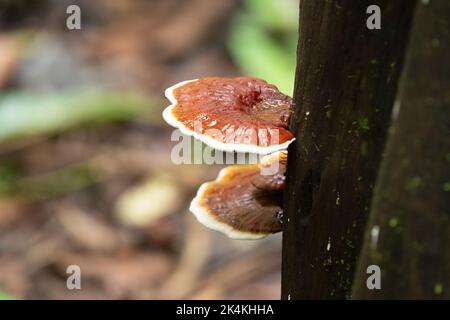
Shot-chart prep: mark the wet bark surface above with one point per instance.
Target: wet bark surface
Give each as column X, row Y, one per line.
column 346, row 82
column 408, row 235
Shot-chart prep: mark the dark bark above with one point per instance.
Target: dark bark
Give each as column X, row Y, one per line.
column 411, row 206
column 345, row 86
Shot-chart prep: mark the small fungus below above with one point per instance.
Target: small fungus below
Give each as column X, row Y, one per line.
column 241, row 114
column 244, row 202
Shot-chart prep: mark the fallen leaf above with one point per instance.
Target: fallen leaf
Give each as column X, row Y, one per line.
column 148, row 201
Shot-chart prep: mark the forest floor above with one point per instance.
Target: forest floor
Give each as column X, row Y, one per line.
column 106, row 196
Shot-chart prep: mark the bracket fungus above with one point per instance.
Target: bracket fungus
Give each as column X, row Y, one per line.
column 237, row 115
column 241, row 114
column 243, row 202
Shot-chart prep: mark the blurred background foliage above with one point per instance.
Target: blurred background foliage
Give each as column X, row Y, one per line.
column 85, row 171
column 263, row 41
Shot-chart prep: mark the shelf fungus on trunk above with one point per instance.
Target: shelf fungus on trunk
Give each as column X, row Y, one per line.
column 245, row 201
column 237, row 115
column 241, row 114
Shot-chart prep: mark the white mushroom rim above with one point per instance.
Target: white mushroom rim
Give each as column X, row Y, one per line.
column 213, row 143
column 204, row 216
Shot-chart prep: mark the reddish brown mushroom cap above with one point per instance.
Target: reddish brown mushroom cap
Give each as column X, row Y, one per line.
column 237, row 206
column 232, row 114
column 272, row 179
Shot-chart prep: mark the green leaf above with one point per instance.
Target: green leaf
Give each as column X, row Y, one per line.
column 7, row 296
column 26, row 113
column 262, row 56
column 274, row 14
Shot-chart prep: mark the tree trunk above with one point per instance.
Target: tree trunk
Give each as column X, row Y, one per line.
column 408, row 234
column 346, row 82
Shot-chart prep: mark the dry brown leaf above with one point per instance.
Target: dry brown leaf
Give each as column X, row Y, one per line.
column 147, row 202
column 13, row 276
column 124, row 275
column 194, row 257
column 11, row 210
column 88, row 231
column 9, row 57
